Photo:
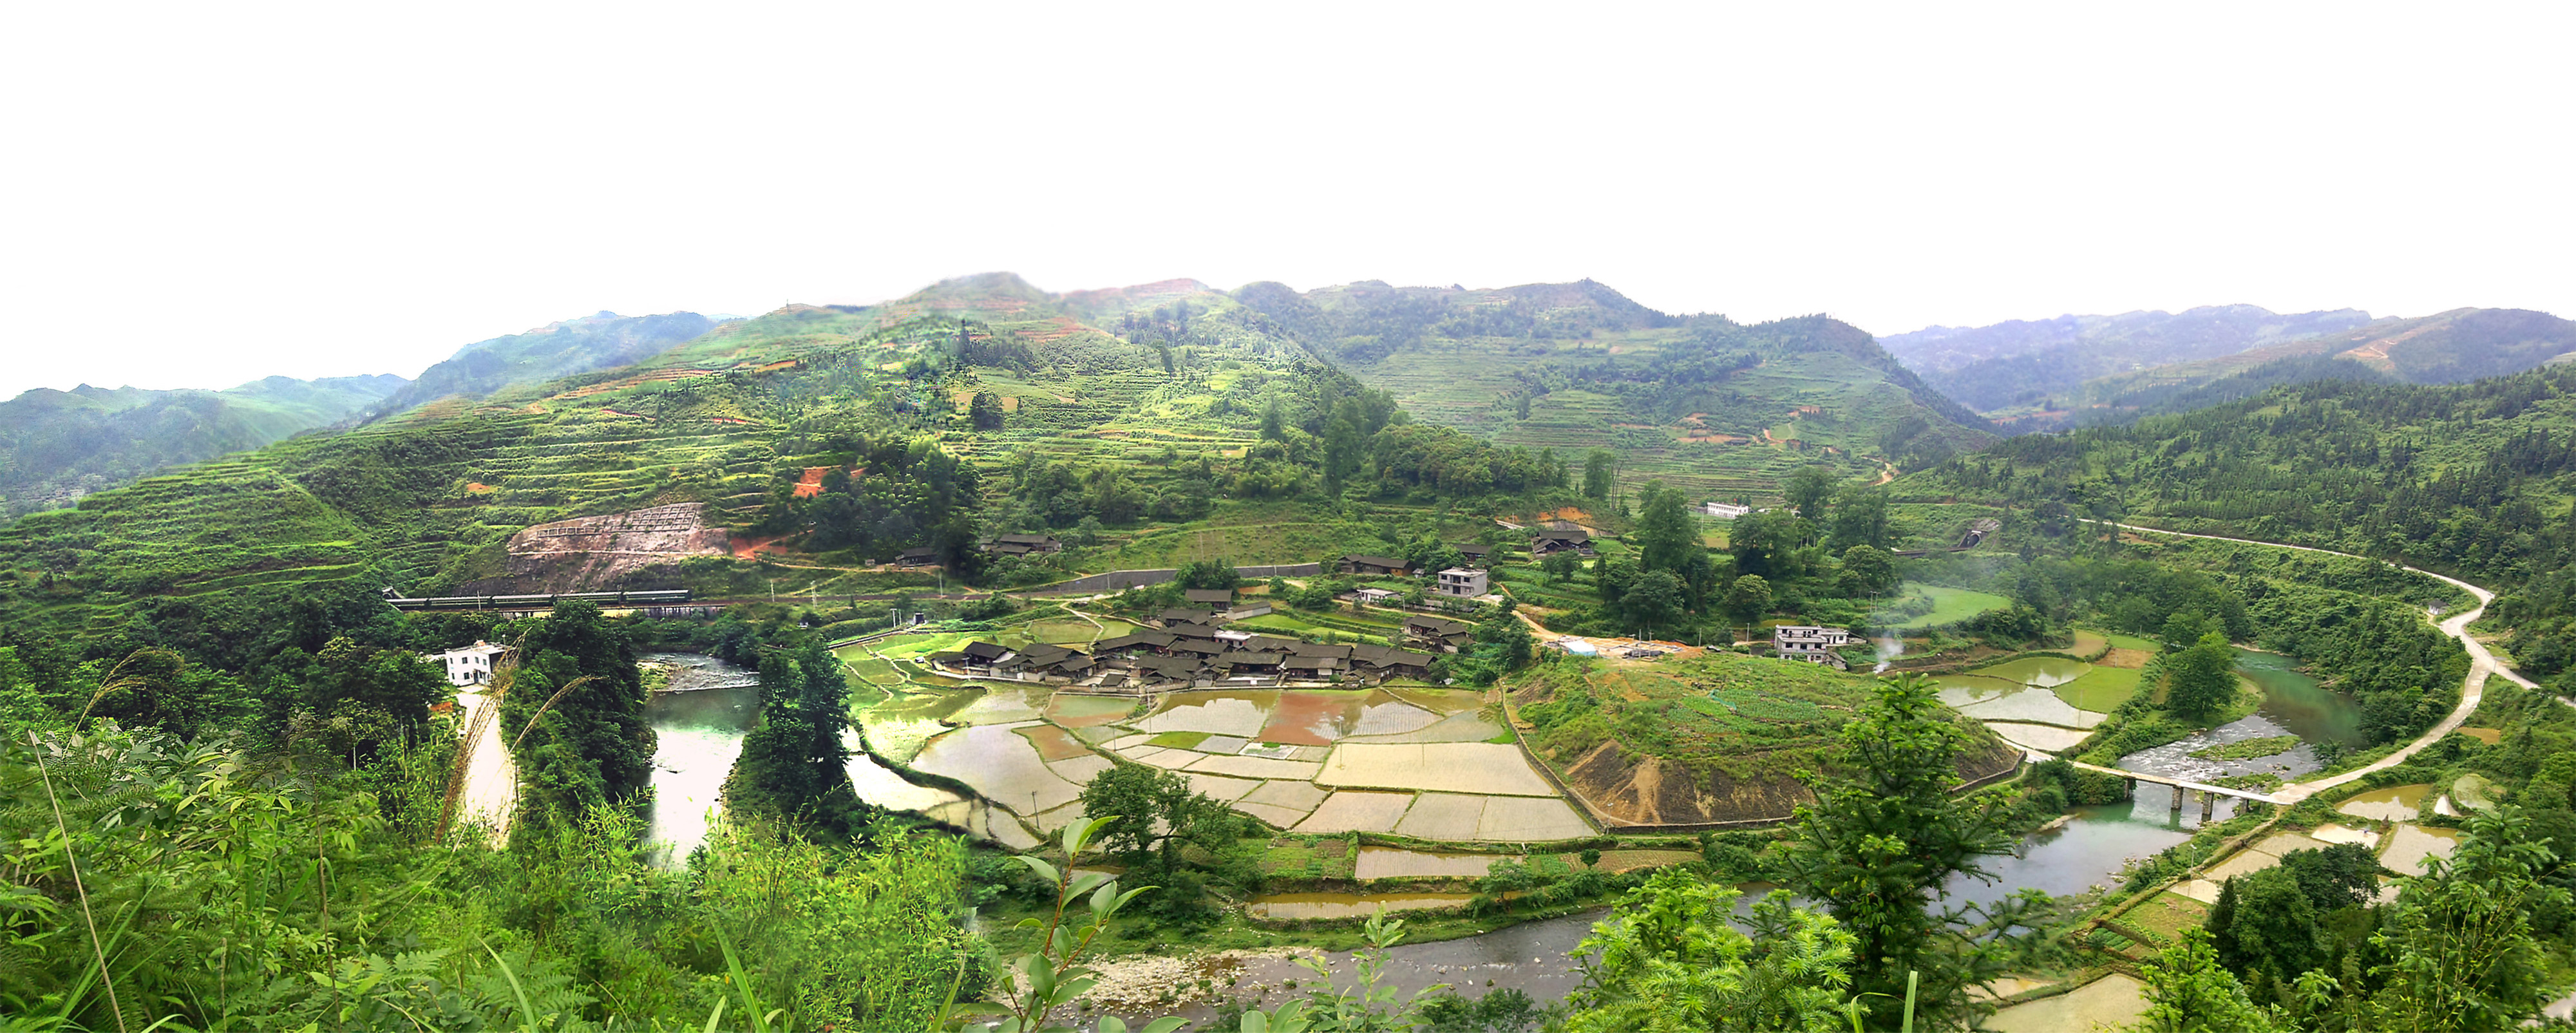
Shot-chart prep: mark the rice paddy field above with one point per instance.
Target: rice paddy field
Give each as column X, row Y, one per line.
column 1415, row 761
column 2049, row 703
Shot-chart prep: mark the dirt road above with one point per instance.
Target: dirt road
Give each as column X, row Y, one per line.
column 2481, row 664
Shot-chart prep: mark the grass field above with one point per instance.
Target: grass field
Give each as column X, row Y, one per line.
column 1949, row 605
column 2099, row 689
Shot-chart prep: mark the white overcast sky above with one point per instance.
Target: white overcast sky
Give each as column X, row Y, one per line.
column 199, row 194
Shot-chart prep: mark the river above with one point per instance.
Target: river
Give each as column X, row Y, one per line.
column 2097, row 841
column 698, row 722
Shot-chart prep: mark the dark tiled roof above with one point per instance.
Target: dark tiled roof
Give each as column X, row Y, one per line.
column 1374, row 561
column 1208, row 595
column 984, row 651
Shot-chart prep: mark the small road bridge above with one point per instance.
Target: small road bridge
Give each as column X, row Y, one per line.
column 2182, row 788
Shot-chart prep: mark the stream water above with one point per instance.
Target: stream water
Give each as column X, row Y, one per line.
column 698, row 722
column 2097, row 841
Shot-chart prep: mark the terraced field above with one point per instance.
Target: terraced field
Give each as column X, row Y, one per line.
column 1410, row 760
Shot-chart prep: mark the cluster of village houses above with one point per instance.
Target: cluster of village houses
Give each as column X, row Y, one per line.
column 1193, row 648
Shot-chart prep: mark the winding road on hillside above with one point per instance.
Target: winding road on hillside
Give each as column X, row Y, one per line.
column 2481, row 664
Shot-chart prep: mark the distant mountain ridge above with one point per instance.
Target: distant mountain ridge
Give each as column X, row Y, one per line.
column 599, row 341
column 57, row 446
column 2021, row 364
column 2444, row 348
column 1718, row 408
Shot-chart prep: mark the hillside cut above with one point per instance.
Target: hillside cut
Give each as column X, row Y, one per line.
column 599, row 553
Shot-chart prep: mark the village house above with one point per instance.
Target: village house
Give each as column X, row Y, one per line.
column 1550, row 542
column 1446, row 636
column 1376, row 597
column 925, row 556
column 1725, row 510
column 1356, row 563
column 984, row 657
column 1462, row 583
column 1212, row 598
column 1022, row 545
column 1812, row 644
column 1477, row 554
column 470, row 665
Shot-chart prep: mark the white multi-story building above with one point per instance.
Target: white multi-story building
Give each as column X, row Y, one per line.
column 470, row 665
column 1725, row 510
column 1811, row 644
column 1462, row 582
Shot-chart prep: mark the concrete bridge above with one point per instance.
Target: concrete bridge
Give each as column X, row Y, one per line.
column 2209, row 794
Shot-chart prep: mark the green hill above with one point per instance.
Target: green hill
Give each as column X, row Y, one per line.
column 1079, row 428
column 2472, row 479
column 2020, row 365
column 2447, row 348
column 597, row 341
column 1717, row 408
column 56, row 446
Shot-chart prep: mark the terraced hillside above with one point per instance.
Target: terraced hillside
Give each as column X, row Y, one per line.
column 1720, row 409
column 1153, row 433
column 1708, row 739
column 56, row 446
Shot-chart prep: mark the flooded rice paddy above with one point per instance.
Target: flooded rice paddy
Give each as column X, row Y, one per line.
column 1280, row 906
column 2395, row 803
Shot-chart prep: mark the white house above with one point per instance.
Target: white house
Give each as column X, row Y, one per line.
column 1811, row 644
column 469, row 665
column 1725, row 510
column 1462, row 583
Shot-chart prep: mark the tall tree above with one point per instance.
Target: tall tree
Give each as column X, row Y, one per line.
column 1807, row 491
column 1671, row 959
column 2466, row 958
column 2201, row 681
column 1666, row 535
column 1859, row 517
column 1748, row 599
column 2190, row 991
column 1598, row 467
column 1868, row 572
column 1883, row 836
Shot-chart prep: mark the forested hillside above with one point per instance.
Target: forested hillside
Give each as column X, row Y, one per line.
column 2024, row 364
column 2475, row 479
column 56, row 446
column 1719, row 409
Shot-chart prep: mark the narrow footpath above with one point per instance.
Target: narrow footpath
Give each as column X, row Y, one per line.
column 2481, row 664
column 491, row 792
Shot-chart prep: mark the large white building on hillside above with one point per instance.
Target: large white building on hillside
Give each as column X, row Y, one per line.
column 1812, row 644
column 470, row 665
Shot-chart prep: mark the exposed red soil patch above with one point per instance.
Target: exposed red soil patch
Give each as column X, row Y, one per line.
column 778, row 365
column 479, row 488
column 732, row 421
column 747, row 547
column 811, row 484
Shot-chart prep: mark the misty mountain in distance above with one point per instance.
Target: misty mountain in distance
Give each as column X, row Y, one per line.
column 598, row 341
column 57, row 446
column 2025, row 364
